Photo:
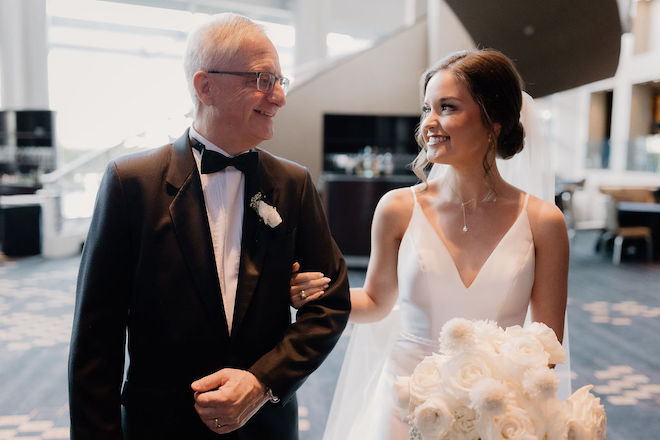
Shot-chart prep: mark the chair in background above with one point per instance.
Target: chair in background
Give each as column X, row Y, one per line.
column 622, row 233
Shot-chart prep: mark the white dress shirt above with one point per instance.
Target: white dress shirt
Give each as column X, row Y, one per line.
column 223, row 196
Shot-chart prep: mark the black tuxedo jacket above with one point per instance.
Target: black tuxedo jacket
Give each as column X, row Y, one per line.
column 148, row 285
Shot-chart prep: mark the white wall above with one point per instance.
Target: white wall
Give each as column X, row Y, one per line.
column 381, row 80
column 446, row 33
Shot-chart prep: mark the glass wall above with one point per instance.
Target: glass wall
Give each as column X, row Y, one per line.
column 600, row 127
column 116, row 68
column 644, row 143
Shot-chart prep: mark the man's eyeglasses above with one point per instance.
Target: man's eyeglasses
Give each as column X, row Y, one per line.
column 265, row 80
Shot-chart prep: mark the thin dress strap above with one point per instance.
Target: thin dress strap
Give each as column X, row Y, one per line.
column 525, row 203
column 412, row 188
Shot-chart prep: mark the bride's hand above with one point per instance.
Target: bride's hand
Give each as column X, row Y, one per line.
column 306, row 286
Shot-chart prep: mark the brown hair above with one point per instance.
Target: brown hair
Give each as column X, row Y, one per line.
column 496, row 87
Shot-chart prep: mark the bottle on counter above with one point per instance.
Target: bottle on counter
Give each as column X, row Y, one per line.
column 388, row 164
column 367, row 162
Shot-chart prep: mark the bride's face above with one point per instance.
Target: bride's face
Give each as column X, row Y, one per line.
column 453, row 130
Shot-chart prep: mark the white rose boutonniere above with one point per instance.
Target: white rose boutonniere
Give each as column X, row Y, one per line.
column 266, row 212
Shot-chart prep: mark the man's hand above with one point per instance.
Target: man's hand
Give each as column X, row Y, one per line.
column 226, row 399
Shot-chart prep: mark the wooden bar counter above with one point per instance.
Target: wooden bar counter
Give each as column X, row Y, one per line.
column 349, row 205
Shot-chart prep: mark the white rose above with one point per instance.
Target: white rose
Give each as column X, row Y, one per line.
column 464, row 426
column 440, row 360
column 548, row 338
column 462, row 372
column 424, row 380
column 552, row 413
column 585, row 409
column 268, row 213
column 514, row 424
column 433, row 418
column 521, row 351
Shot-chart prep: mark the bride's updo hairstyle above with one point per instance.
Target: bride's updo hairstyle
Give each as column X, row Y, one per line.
column 496, row 87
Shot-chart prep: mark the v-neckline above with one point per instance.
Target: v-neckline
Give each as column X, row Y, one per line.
column 438, row 234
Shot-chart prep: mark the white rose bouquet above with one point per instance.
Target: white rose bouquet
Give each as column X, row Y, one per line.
column 487, row 383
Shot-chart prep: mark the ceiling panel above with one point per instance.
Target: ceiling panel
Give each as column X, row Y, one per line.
column 556, row 45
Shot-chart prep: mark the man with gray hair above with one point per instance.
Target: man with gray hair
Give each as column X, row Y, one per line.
column 187, row 265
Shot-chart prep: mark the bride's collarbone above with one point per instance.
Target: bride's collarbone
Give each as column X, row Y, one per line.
column 485, row 222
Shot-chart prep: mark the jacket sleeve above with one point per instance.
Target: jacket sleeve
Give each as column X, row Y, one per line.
column 319, row 324
column 96, row 357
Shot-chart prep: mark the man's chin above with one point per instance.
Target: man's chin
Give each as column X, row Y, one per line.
column 265, row 135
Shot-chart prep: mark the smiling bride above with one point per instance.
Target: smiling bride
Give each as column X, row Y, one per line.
column 462, row 243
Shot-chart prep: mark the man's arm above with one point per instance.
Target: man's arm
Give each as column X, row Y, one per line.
column 319, row 324
column 96, row 357
column 305, row 344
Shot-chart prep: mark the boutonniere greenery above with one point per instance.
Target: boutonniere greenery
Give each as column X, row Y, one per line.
column 266, row 212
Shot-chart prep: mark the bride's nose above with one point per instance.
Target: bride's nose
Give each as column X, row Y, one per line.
column 429, row 122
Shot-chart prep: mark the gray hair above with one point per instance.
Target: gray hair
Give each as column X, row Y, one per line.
column 213, row 43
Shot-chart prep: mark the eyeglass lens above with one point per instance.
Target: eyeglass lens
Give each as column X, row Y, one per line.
column 266, row 82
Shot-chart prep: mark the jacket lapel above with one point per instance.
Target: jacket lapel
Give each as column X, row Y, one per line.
column 188, row 214
column 254, row 242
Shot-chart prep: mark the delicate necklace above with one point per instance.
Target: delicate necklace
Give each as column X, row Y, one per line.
column 489, row 197
column 465, row 228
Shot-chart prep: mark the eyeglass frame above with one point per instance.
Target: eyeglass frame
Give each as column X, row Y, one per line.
column 283, row 81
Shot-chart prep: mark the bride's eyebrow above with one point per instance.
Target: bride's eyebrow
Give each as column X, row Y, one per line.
column 441, row 100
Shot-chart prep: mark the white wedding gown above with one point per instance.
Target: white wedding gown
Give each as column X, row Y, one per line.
column 431, row 292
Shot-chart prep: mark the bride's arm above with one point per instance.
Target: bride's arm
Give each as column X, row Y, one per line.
column 549, row 293
column 391, row 217
column 375, row 300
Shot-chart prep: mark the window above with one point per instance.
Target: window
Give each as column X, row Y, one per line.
column 115, row 70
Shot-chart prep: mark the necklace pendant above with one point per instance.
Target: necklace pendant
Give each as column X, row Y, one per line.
column 465, row 228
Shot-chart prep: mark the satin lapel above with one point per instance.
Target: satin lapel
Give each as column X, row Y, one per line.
column 188, row 214
column 254, row 243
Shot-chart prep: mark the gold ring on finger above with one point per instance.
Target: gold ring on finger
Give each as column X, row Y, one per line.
column 303, row 295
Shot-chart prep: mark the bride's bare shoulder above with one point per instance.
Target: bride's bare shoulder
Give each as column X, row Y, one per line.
column 395, row 207
column 545, row 218
column 396, row 200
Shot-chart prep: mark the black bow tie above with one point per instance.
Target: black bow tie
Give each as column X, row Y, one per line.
column 212, row 161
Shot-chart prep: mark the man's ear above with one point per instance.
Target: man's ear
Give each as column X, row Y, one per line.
column 203, row 86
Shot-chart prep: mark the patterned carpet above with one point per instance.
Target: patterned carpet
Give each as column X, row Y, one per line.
column 614, row 322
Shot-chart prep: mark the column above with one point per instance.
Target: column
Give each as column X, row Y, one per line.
column 442, row 22
column 23, row 54
column 311, row 22
column 414, row 10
